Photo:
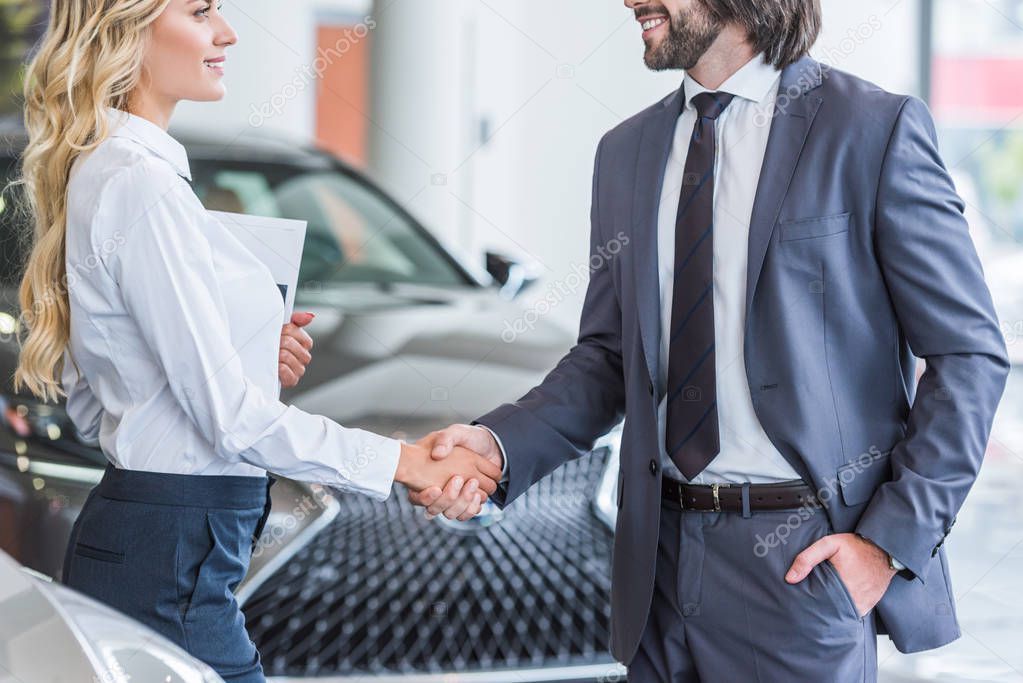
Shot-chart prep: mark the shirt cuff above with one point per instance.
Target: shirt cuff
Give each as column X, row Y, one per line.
column 504, row 455
column 370, row 469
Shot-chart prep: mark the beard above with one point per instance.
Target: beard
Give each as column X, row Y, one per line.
column 689, row 36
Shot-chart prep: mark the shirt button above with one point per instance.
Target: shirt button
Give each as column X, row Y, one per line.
column 653, row 467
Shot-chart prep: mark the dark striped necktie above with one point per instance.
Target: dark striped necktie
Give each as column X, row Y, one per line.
column 691, row 433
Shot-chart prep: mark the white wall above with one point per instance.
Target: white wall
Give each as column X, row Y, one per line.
column 422, row 106
column 270, row 69
column 538, row 84
column 874, row 39
column 554, row 78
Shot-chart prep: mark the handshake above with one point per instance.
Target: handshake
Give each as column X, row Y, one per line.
column 451, row 471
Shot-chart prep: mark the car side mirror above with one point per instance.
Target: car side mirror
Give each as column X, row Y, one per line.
column 511, row 276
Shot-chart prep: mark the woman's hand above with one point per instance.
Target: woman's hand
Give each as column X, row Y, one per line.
column 295, row 346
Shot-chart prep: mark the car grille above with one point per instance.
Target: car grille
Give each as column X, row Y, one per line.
column 382, row 590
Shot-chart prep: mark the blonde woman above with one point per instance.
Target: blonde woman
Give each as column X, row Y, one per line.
column 164, row 333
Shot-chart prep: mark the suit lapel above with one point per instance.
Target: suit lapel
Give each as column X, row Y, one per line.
column 654, row 149
column 794, row 113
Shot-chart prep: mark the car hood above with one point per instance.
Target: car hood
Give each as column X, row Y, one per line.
column 407, row 359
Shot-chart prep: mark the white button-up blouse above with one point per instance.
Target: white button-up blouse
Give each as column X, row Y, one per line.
column 176, row 328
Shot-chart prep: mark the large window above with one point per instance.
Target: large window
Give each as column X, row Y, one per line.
column 976, row 93
column 977, row 97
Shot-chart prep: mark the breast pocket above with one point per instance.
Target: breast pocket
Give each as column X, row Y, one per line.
column 811, row 228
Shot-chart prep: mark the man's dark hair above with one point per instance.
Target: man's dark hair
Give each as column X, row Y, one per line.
column 784, row 30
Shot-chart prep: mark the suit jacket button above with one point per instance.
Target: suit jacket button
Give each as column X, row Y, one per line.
column 653, row 467
column 650, row 387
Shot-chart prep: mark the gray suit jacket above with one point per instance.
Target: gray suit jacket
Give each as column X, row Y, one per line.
column 859, row 260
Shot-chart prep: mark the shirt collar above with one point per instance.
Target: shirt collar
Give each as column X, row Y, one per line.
column 753, row 81
column 151, row 136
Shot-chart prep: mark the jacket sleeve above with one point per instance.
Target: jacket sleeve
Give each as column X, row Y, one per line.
column 165, row 272
column 582, row 398
column 936, row 284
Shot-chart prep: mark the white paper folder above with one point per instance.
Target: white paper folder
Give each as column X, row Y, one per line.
column 277, row 242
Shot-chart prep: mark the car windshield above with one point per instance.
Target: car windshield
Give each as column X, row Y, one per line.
column 354, row 234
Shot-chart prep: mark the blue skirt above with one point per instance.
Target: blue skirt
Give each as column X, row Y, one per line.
column 169, row 550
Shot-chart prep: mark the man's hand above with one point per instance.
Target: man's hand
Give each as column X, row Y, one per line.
column 418, row 471
column 861, row 565
column 295, row 346
column 453, row 502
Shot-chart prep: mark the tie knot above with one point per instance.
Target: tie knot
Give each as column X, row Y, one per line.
column 709, row 105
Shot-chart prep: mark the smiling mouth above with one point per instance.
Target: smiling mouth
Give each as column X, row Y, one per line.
column 651, row 24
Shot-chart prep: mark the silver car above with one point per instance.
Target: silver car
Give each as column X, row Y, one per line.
column 51, row 633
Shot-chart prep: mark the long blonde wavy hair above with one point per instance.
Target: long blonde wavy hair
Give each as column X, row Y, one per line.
column 90, row 58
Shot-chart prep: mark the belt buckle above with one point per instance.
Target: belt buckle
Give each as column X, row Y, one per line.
column 717, row 500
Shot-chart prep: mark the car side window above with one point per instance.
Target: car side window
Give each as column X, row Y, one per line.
column 241, row 191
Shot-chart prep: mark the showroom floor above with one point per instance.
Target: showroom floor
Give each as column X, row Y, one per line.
column 986, row 556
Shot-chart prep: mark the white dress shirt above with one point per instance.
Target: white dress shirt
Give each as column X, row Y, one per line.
column 176, row 328
column 741, row 132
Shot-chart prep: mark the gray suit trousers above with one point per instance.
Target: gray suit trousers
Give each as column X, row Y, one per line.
column 723, row 612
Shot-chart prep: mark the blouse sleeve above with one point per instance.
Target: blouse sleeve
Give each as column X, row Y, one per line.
column 164, row 269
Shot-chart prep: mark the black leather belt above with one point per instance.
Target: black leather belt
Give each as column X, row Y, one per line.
column 784, row 495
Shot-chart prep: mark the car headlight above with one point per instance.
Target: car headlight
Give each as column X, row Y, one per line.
column 9, row 325
column 120, row 649
column 606, row 501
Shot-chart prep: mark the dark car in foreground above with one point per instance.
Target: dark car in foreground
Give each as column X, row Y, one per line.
column 407, row 339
